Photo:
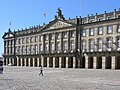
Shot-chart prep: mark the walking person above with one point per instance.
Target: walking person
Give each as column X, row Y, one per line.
column 41, row 71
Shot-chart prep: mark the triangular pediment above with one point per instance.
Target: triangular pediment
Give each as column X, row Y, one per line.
column 57, row 24
column 8, row 35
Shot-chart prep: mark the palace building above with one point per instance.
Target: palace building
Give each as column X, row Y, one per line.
column 92, row 42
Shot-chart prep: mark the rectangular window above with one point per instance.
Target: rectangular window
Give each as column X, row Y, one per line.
column 46, row 47
column 31, row 39
column 72, row 45
column 36, row 49
column 46, row 37
column 72, row 34
column 91, row 32
column 23, row 40
column 91, row 41
column 40, row 38
column 19, row 41
column 109, row 43
column 109, row 29
column 58, row 35
column 27, row 49
column 118, row 28
column 100, row 30
column 100, row 44
column 41, row 47
column 84, row 32
column 64, row 35
column 53, row 46
column 65, row 45
column 36, row 38
column 53, row 36
column 58, row 46
column 83, row 45
column 23, row 49
column 27, row 40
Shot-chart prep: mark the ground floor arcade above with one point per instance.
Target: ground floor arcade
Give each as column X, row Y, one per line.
column 90, row 62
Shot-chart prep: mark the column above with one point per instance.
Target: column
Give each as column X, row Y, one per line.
column 42, row 60
column 66, row 62
column 94, row 62
column 60, row 62
column 53, row 62
column 6, row 61
column 86, row 62
column 28, row 61
column 17, row 60
column 103, row 62
column 24, row 61
column 113, row 62
column 74, row 62
column 33, row 62
column 48, row 62
column 38, row 62
column 21, row 61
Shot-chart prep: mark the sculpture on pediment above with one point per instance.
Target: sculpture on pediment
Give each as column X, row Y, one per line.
column 59, row 14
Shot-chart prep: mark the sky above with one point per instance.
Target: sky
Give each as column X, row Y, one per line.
column 27, row 13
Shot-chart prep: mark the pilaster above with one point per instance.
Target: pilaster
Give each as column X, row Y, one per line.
column 60, row 58
column 113, row 62
column 103, row 62
column 94, row 62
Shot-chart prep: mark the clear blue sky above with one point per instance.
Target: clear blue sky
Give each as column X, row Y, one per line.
column 26, row 13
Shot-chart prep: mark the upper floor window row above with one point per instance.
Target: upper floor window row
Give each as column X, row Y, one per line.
column 91, row 31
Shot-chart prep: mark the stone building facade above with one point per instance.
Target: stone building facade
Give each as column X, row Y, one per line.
column 89, row 42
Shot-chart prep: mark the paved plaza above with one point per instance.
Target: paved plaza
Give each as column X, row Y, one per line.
column 27, row 78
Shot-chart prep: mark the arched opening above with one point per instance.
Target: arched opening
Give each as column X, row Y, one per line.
column 99, row 63
column 56, row 62
column 31, row 61
column 27, row 64
column 108, row 62
column 8, row 61
column 15, row 61
column 90, row 62
column 39, row 62
column 117, row 63
column 45, row 62
column 70, row 62
column 35, row 62
column 63, row 62
column 23, row 62
column 51, row 62
column 82, row 63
